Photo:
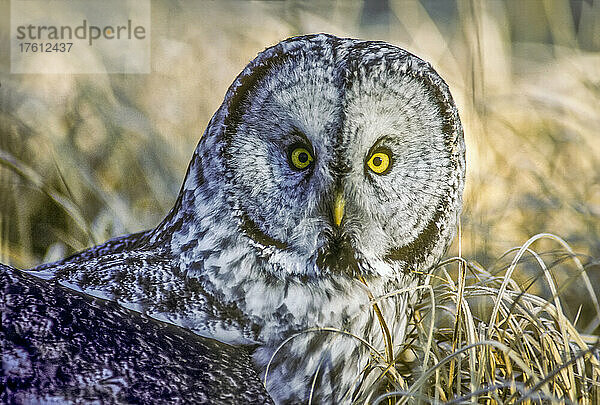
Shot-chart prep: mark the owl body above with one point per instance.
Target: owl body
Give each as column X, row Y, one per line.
column 332, row 173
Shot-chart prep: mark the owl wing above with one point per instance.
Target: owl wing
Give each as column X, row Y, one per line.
column 60, row 344
column 142, row 275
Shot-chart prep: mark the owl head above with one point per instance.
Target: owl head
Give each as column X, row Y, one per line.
column 335, row 158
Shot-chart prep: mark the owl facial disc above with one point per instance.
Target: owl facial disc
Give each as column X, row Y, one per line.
column 334, row 153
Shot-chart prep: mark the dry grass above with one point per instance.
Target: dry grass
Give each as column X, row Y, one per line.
column 479, row 337
column 85, row 158
column 483, row 338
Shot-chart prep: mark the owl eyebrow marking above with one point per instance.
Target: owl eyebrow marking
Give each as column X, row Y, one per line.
column 298, row 136
column 377, row 145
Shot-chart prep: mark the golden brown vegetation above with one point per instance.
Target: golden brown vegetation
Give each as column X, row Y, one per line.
column 84, row 158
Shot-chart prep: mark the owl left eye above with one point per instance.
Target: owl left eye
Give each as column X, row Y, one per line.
column 380, row 162
column 300, row 157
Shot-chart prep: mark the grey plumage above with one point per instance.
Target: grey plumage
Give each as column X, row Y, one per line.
column 63, row 347
column 252, row 252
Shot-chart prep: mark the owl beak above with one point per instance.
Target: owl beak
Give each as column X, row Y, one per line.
column 338, row 208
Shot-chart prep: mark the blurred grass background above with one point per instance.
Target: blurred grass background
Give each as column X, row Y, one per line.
column 87, row 157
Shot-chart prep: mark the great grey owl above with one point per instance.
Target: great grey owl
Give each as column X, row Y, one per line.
column 332, row 174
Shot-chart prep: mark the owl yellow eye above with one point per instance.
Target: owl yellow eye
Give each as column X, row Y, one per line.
column 379, row 162
column 300, row 157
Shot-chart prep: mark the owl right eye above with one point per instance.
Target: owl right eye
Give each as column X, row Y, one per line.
column 300, row 157
column 380, row 161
